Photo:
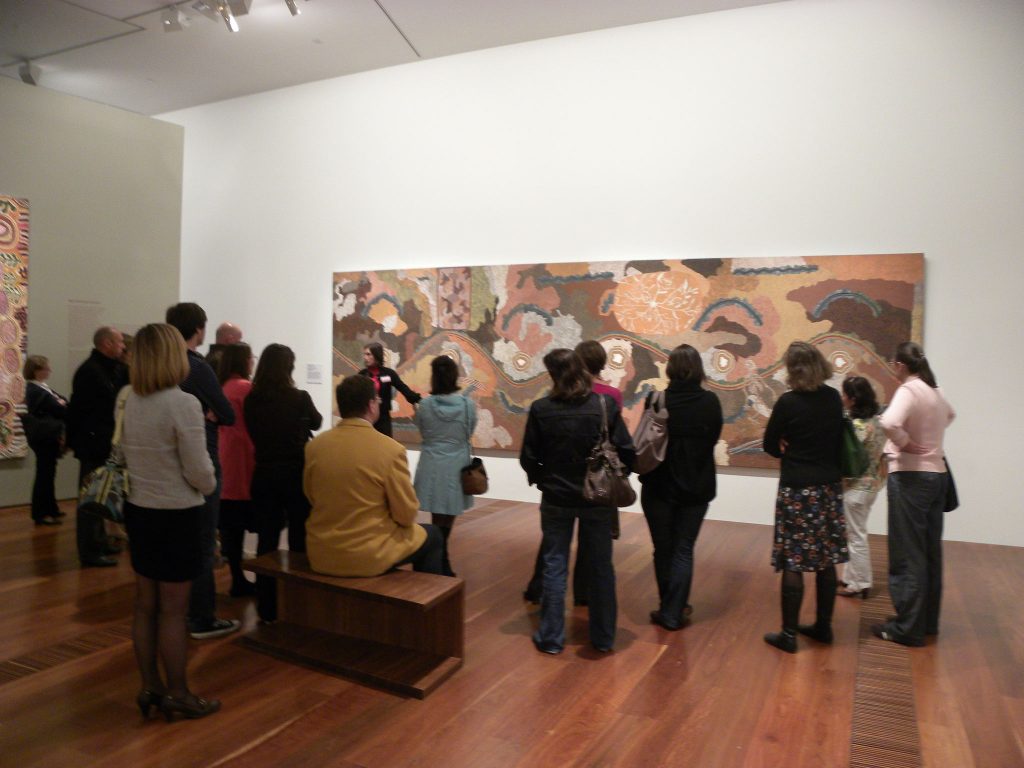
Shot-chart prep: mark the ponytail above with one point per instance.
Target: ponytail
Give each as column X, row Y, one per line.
column 912, row 356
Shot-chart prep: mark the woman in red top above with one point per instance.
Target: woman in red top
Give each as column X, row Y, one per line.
column 236, row 460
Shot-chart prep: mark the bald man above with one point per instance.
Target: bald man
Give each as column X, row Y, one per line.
column 227, row 334
column 90, row 428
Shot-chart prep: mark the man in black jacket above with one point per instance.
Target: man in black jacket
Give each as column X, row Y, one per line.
column 190, row 320
column 90, row 428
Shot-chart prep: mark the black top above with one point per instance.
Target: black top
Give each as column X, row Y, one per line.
column 694, row 426
column 90, row 416
column 811, row 423
column 389, row 380
column 280, row 424
column 558, row 440
column 44, row 417
column 202, row 383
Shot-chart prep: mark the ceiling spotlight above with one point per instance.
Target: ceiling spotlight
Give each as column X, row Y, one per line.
column 29, row 73
column 228, row 16
column 173, row 20
column 293, row 7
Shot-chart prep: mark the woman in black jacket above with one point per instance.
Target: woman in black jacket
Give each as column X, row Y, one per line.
column 805, row 431
column 280, row 419
column 44, row 429
column 384, row 380
column 560, row 432
column 676, row 495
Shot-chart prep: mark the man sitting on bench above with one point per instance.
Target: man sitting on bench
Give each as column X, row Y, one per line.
column 363, row 520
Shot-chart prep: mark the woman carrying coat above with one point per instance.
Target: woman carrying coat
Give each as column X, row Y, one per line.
column 676, row 494
column 859, row 493
column 915, row 423
column 446, row 421
column 384, row 381
column 805, row 431
column 561, row 430
column 44, row 429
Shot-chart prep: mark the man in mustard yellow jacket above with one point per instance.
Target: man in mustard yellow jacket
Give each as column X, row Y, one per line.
column 363, row 521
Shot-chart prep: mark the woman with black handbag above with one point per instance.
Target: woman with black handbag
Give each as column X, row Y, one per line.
column 915, row 423
column 44, row 429
column 561, row 431
column 676, row 495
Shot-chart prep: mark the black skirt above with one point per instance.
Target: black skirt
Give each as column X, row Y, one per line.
column 164, row 543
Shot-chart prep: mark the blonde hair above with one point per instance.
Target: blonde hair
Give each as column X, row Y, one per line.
column 806, row 368
column 159, row 359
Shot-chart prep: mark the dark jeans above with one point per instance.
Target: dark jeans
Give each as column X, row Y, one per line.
column 557, row 524
column 202, row 603
column 428, row 558
column 44, row 500
column 915, row 551
column 277, row 501
column 580, row 575
column 90, row 533
column 674, row 527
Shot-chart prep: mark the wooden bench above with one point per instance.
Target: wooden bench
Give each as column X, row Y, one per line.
column 402, row 631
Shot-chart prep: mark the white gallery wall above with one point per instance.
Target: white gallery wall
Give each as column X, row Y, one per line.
column 810, row 127
column 104, row 192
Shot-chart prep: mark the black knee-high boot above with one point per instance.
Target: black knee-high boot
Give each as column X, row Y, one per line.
column 446, row 566
column 792, row 597
column 825, row 592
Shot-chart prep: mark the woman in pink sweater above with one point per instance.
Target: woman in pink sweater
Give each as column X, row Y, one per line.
column 915, row 423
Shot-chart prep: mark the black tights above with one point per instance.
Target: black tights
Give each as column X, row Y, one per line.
column 793, row 596
column 159, row 631
column 445, row 523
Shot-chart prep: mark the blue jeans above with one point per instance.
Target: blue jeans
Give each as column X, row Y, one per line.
column 915, row 551
column 674, row 526
column 596, row 535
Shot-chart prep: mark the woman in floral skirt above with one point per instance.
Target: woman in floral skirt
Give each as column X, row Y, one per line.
column 805, row 431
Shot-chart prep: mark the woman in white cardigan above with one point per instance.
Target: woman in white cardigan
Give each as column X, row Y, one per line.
column 164, row 444
column 915, row 423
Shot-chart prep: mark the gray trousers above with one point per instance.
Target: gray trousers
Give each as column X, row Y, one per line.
column 915, row 551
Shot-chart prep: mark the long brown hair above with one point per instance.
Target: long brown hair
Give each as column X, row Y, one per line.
column 911, row 355
column 571, row 382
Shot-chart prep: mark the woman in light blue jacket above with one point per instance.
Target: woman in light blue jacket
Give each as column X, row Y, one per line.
column 446, row 421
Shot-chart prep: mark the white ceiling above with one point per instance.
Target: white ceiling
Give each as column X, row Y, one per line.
column 116, row 52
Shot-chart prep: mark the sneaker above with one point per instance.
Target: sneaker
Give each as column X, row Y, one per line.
column 218, row 628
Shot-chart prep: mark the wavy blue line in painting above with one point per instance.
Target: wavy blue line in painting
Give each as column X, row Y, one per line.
column 512, row 407
column 565, row 279
column 522, row 309
column 754, row 314
column 846, row 293
column 794, row 269
column 606, row 305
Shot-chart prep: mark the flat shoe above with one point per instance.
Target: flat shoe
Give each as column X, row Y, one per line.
column 553, row 650
column 847, row 592
column 657, row 618
column 883, row 632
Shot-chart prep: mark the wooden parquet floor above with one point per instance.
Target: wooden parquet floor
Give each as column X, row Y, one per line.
column 711, row 695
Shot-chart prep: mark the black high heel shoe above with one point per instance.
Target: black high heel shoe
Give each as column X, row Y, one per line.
column 191, row 707
column 148, row 699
